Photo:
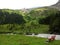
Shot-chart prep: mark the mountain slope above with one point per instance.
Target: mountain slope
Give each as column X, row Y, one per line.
column 57, row 5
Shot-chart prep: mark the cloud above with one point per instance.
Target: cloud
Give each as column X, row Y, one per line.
column 18, row 4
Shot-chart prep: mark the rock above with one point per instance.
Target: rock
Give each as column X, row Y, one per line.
column 57, row 5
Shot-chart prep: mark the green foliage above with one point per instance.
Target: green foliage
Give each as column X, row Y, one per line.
column 47, row 16
column 55, row 23
column 7, row 17
column 34, row 21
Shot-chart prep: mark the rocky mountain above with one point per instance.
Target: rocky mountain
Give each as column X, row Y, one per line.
column 57, row 5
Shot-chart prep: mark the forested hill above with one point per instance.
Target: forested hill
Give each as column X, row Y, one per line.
column 10, row 16
column 26, row 21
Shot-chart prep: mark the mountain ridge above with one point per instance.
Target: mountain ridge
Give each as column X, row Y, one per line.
column 57, row 5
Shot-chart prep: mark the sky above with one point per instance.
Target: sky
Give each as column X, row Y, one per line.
column 20, row 4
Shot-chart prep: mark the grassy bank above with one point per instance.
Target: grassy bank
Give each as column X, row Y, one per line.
column 24, row 28
column 24, row 40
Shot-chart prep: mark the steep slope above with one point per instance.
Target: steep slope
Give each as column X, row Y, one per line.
column 57, row 5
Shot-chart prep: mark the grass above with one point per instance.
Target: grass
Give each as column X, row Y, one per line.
column 27, row 28
column 24, row 40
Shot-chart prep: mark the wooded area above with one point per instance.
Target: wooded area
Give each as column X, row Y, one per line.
column 40, row 20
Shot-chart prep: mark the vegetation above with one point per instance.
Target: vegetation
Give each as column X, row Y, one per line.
column 7, row 17
column 24, row 40
column 22, row 22
column 41, row 20
column 55, row 23
column 15, row 21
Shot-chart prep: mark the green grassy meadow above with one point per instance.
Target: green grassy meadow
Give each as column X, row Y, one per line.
column 24, row 40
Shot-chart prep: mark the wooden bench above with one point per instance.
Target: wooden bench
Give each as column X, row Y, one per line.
column 52, row 38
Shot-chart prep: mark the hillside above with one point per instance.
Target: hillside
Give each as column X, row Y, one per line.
column 26, row 21
column 57, row 5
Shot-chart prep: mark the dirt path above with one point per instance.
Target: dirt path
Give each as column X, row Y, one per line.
column 45, row 36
